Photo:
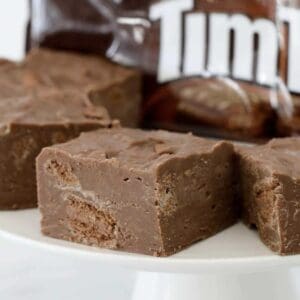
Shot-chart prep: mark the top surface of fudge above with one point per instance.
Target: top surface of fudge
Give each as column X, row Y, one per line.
column 16, row 80
column 136, row 148
column 62, row 70
column 279, row 156
column 13, row 80
column 51, row 107
column 68, row 69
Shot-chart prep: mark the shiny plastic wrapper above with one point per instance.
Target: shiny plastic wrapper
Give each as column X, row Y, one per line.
column 223, row 68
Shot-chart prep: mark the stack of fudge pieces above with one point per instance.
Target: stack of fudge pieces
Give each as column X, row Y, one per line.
column 51, row 97
column 104, row 184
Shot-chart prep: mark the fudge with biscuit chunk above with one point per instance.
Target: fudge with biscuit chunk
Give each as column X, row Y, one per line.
column 150, row 192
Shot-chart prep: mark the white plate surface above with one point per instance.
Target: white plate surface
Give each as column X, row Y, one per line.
column 235, row 250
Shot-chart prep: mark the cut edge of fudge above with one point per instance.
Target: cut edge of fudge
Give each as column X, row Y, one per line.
column 146, row 192
column 270, row 193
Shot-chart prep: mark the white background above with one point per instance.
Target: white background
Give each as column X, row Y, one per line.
column 28, row 274
column 13, row 19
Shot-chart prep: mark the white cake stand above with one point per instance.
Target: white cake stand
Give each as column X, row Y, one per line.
column 234, row 265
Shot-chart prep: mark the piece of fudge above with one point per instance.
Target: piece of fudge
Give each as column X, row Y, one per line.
column 270, row 192
column 17, row 80
column 29, row 123
column 240, row 108
column 116, row 88
column 13, row 80
column 150, row 192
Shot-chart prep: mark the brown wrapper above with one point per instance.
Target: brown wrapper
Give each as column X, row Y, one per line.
column 214, row 104
column 289, row 102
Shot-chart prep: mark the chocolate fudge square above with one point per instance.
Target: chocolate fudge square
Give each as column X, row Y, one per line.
column 30, row 123
column 116, row 88
column 145, row 192
column 270, row 191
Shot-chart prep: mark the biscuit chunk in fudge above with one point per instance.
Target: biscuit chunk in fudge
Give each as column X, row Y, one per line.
column 270, row 192
column 29, row 123
column 150, row 192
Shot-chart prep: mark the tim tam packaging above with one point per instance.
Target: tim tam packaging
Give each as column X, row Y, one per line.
column 216, row 67
column 289, row 88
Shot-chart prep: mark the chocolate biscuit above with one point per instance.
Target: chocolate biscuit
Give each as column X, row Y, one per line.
column 236, row 107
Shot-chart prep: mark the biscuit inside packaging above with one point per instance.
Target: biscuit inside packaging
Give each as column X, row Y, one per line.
column 222, row 68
